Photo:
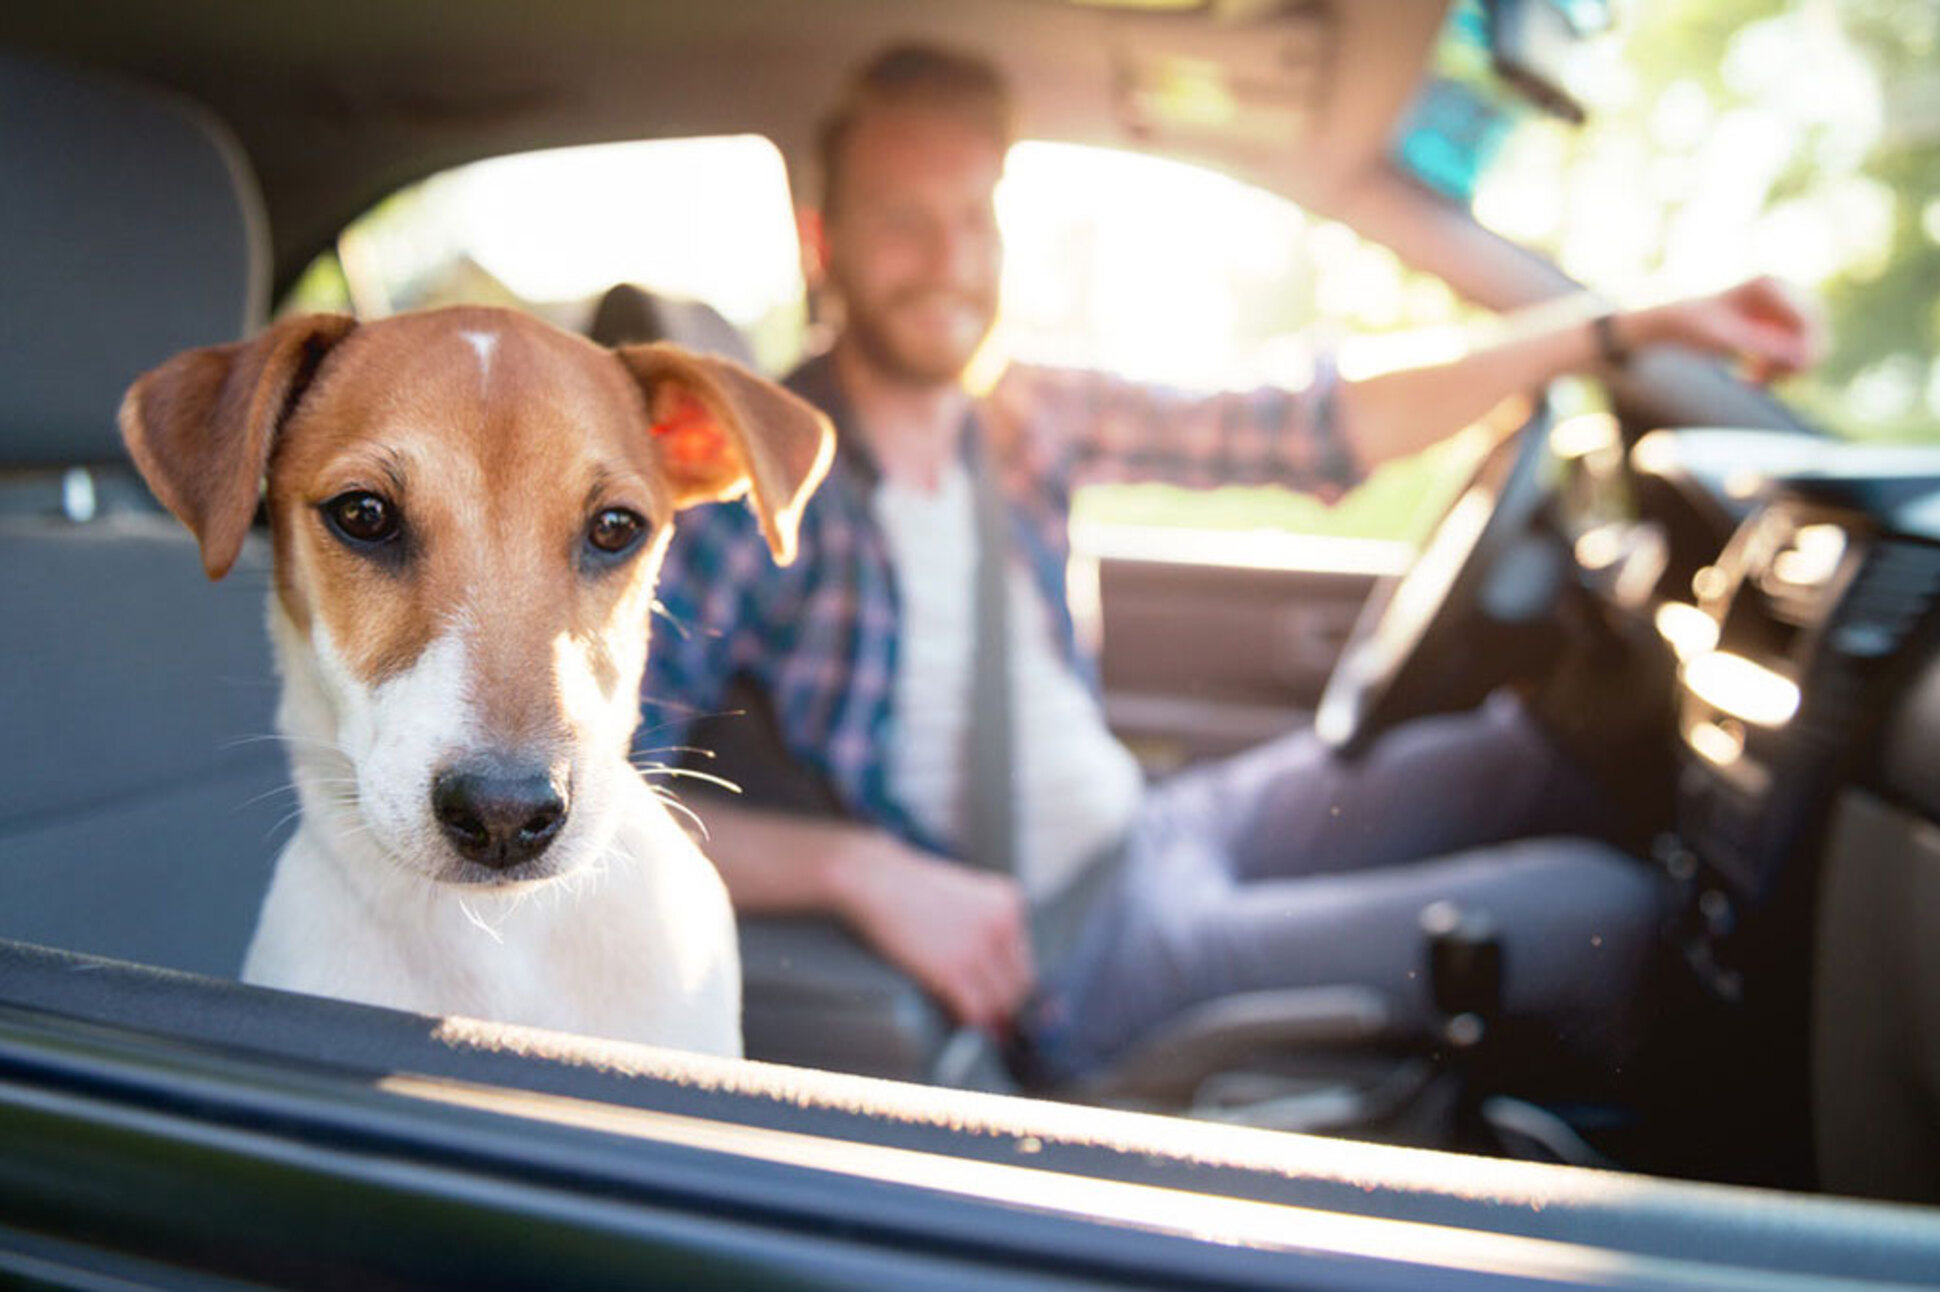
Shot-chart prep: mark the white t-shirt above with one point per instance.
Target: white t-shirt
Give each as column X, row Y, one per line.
column 1077, row 785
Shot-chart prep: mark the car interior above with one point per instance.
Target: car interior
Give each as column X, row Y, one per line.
column 1726, row 612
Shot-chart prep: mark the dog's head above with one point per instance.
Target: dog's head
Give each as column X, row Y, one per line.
column 468, row 509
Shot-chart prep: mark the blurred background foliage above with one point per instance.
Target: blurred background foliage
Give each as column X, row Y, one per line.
column 1794, row 137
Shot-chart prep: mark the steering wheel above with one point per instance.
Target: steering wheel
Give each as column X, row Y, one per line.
column 1410, row 651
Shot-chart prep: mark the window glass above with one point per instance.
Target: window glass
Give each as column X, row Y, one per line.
column 1790, row 137
column 707, row 219
column 1165, row 272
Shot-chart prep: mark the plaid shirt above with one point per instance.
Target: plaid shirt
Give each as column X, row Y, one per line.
column 821, row 637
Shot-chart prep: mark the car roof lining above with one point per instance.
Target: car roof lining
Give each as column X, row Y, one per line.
column 338, row 107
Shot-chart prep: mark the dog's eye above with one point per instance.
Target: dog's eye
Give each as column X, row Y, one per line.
column 616, row 530
column 362, row 517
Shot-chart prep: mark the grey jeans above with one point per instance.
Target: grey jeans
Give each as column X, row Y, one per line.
column 1288, row 867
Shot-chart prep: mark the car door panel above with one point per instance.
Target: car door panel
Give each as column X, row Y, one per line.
column 1203, row 659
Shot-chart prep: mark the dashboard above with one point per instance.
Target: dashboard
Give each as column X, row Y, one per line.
column 1804, row 839
column 1796, row 637
column 1775, row 597
column 1789, row 582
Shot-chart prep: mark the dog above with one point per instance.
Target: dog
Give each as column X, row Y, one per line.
column 467, row 510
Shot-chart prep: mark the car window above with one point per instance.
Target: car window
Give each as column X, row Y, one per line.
column 1757, row 136
column 1150, row 269
column 708, row 219
column 1177, row 274
column 1161, row 271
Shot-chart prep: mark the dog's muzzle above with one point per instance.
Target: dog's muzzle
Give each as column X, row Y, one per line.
column 499, row 816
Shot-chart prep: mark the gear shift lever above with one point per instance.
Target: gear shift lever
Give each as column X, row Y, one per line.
column 1464, row 972
column 1464, row 952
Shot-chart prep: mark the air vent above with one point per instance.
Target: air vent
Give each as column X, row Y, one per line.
column 1891, row 595
column 1888, row 599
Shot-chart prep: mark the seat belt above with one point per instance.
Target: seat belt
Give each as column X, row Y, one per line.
column 990, row 832
column 990, row 829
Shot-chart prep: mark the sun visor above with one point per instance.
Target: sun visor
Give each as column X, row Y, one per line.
column 1246, row 80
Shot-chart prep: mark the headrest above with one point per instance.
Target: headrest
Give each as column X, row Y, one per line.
column 132, row 228
column 629, row 315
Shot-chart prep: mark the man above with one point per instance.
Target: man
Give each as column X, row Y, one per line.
column 1279, row 868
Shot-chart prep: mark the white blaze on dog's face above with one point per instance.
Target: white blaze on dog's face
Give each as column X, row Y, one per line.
column 469, row 508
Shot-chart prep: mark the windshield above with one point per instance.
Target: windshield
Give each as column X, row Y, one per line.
column 1799, row 138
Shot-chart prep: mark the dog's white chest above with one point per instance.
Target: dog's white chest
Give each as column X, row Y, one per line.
column 642, row 950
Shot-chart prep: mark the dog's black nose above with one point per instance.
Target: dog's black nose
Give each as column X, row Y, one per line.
column 498, row 818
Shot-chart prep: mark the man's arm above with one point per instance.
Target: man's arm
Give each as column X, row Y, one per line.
column 1401, row 412
column 961, row 933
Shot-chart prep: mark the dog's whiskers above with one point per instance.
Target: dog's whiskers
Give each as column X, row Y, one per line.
column 285, row 738
column 659, row 611
column 702, row 750
column 591, row 875
column 294, row 787
column 346, row 827
column 667, row 797
column 588, row 878
column 289, row 787
column 663, row 769
column 479, row 922
column 688, row 714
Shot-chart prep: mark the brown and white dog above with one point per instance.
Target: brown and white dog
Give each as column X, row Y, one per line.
column 468, row 509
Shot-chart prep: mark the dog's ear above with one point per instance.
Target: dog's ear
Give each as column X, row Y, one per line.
column 200, row 426
column 720, row 431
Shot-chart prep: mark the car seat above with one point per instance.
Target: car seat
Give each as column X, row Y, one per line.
column 138, row 790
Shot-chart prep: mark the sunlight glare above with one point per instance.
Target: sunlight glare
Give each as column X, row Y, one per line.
column 1742, row 688
column 1682, row 117
column 1522, row 198
column 703, row 218
column 1108, row 262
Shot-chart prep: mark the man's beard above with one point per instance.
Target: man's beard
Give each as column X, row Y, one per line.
column 875, row 335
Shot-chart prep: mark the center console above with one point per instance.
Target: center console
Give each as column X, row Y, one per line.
column 1787, row 656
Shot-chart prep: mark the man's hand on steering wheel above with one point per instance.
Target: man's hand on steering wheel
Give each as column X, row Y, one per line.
column 1762, row 324
column 1405, row 653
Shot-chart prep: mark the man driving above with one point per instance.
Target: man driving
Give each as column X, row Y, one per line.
column 1282, row 867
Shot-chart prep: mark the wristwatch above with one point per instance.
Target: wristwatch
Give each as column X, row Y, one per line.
column 1609, row 346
